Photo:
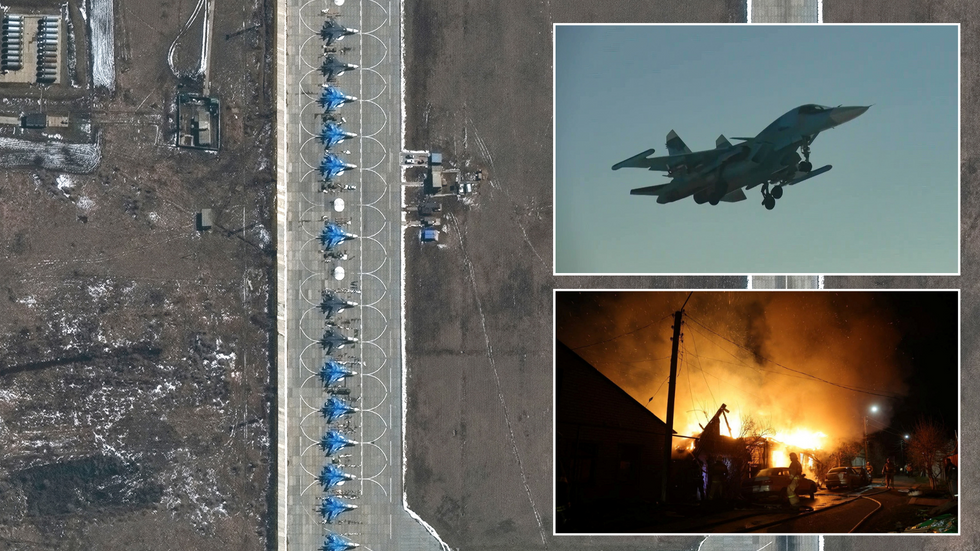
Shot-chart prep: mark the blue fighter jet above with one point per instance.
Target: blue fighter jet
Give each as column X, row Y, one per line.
column 332, row 98
column 332, row 166
column 332, row 134
column 337, row 543
column 333, row 442
column 335, row 408
column 770, row 159
column 332, row 476
column 331, row 508
column 334, row 371
column 333, row 235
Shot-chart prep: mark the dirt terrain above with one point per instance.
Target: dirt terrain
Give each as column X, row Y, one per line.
column 479, row 304
column 134, row 350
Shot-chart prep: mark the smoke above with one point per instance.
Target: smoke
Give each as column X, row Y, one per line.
column 729, row 343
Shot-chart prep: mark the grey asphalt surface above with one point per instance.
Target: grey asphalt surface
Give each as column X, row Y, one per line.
column 372, row 279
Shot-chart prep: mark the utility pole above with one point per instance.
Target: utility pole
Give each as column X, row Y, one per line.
column 668, row 444
column 867, row 460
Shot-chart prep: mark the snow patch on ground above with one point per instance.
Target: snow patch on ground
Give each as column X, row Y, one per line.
column 265, row 238
column 64, row 182
column 153, row 217
column 85, row 203
column 75, row 158
column 100, row 290
column 103, row 59
column 30, row 301
column 190, row 494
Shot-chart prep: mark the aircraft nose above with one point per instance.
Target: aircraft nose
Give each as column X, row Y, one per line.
column 840, row 115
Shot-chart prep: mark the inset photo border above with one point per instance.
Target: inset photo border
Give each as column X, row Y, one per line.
column 695, row 149
column 789, row 412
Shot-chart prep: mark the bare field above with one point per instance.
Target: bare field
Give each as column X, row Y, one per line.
column 479, row 305
column 135, row 383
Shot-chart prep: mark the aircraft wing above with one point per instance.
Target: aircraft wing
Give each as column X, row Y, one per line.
column 811, row 174
column 734, row 196
column 649, row 190
column 670, row 162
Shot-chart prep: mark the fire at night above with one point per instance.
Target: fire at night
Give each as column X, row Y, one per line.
column 786, row 411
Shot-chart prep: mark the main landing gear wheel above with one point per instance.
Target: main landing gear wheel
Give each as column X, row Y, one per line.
column 769, row 202
column 777, row 192
column 805, row 166
column 719, row 193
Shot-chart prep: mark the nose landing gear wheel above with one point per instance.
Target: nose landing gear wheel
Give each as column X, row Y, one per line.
column 777, row 192
column 805, row 166
column 769, row 202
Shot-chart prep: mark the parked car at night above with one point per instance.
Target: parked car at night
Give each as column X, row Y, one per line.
column 846, row 477
column 773, row 482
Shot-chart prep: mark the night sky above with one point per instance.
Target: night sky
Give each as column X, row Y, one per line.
column 899, row 348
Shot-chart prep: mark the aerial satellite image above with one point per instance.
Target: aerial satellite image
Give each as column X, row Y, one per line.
column 280, row 274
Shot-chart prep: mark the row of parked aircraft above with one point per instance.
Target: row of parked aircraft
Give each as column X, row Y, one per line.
column 334, row 371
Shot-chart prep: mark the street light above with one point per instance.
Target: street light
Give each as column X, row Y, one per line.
column 874, row 409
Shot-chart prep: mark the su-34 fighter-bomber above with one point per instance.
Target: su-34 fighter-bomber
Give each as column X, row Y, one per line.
column 770, row 159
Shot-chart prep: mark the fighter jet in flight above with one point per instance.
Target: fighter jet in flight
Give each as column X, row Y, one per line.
column 332, row 303
column 332, row 166
column 332, row 98
column 331, row 508
column 333, row 67
column 333, row 31
column 332, row 134
column 337, row 543
column 335, row 340
column 770, row 159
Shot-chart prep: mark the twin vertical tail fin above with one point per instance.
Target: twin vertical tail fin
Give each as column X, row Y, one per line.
column 722, row 142
column 675, row 145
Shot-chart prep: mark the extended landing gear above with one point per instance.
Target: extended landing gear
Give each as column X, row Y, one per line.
column 769, row 197
column 805, row 166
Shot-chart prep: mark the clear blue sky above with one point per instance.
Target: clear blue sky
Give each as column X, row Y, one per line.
column 890, row 204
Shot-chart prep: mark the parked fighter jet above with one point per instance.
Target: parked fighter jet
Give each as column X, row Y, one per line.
column 334, row 340
column 333, row 31
column 331, row 98
column 331, row 508
column 337, row 543
column 334, row 371
column 333, row 235
column 332, row 303
column 770, row 159
column 332, row 166
column 333, row 442
column 332, row 134
column 331, row 476
column 335, row 408
column 333, row 67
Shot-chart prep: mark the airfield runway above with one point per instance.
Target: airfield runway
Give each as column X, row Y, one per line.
column 372, row 278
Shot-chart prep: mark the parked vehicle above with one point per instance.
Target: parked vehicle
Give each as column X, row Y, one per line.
column 846, row 477
column 774, row 482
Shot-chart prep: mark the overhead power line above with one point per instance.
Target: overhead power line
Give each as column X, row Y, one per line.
column 624, row 334
column 814, row 377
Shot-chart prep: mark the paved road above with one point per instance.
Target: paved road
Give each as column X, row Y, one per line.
column 373, row 279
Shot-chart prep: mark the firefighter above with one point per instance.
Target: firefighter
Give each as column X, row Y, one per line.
column 795, row 472
column 889, row 472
